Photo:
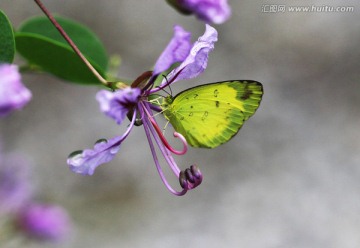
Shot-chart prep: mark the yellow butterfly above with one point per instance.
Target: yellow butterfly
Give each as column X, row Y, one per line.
column 211, row 114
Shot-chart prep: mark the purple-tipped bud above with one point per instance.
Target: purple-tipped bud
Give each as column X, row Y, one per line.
column 46, row 222
column 190, row 178
column 183, row 180
column 196, row 172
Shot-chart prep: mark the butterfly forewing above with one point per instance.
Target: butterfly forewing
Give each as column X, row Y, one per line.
column 211, row 114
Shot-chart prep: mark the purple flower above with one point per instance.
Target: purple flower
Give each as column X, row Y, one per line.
column 85, row 162
column 46, row 222
column 13, row 94
column 196, row 61
column 117, row 104
column 15, row 184
column 134, row 102
column 210, row 11
column 176, row 51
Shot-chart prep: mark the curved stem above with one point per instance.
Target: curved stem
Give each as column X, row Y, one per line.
column 127, row 132
column 183, row 176
column 71, row 43
column 158, row 167
column 165, row 152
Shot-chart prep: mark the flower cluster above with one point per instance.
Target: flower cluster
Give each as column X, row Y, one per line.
column 38, row 220
column 134, row 101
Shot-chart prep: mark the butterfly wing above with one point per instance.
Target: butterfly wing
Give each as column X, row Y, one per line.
column 211, row 114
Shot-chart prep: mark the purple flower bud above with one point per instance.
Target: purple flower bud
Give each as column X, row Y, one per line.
column 210, row 11
column 46, row 222
column 13, row 94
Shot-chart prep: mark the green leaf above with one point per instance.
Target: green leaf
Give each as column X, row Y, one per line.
column 38, row 41
column 7, row 42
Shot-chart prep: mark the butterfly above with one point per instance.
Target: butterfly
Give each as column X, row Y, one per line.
column 209, row 115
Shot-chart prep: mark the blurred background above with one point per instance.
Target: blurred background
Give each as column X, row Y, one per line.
column 290, row 178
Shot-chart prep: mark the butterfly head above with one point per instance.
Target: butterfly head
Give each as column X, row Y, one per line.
column 167, row 101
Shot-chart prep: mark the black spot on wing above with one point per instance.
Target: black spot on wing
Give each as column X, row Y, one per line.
column 247, row 93
column 206, row 113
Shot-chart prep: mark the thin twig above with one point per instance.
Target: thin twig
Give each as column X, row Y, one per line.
column 71, row 43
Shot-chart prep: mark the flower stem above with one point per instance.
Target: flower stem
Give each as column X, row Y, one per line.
column 71, row 43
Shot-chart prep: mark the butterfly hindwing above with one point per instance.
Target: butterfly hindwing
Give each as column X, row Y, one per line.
column 211, row 114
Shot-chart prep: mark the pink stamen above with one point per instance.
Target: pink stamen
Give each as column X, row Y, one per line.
column 183, row 140
column 163, row 139
column 150, row 131
column 166, row 143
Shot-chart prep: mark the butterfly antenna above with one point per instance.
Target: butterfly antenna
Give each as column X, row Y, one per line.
column 171, row 93
column 169, row 86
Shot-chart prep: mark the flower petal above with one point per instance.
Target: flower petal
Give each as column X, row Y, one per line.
column 176, row 51
column 210, row 11
column 85, row 162
column 117, row 104
column 13, row 94
column 196, row 61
